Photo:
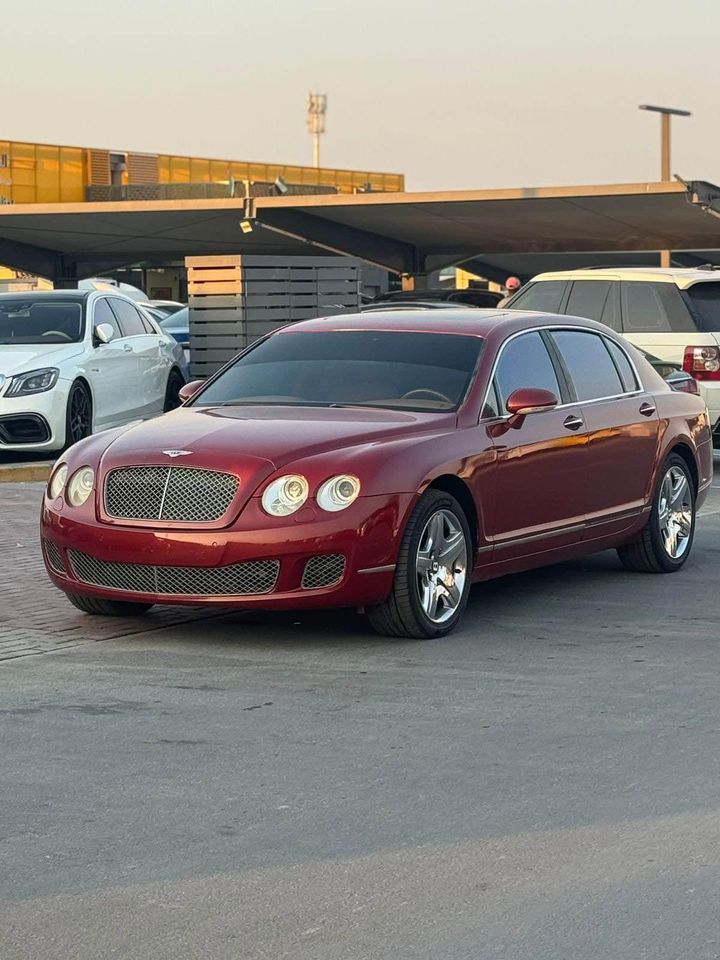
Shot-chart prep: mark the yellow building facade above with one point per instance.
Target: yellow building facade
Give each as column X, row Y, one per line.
column 46, row 173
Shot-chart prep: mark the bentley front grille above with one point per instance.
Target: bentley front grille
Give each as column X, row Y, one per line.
column 186, row 494
column 236, row 580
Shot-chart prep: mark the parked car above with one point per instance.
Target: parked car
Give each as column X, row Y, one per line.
column 384, row 307
column 73, row 362
column 166, row 307
column 673, row 314
column 177, row 325
column 469, row 296
column 384, row 462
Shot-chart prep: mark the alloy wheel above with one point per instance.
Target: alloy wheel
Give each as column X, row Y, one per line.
column 675, row 512
column 441, row 566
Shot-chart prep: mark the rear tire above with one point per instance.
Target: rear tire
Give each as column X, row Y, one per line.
column 175, row 382
column 666, row 541
column 108, row 608
column 432, row 575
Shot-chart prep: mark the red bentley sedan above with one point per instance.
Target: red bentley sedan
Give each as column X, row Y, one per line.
column 384, row 462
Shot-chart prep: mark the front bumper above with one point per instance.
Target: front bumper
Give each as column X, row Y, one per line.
column 48, row 410
column 136, row 559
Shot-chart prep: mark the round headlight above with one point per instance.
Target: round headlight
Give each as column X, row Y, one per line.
column 338, row 492
column 81, row 486
column 57, row 481
column 286, row 495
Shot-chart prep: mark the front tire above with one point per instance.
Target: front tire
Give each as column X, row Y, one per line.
column 79, row 416
column 432, row 575
column 666, row 541
column 107, row 608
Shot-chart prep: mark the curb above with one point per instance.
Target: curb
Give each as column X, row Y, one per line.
column 25, row 472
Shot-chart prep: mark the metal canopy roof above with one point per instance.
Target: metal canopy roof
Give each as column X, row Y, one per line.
column 501, row 230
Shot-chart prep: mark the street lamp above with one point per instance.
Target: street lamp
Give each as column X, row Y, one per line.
column 665, row 175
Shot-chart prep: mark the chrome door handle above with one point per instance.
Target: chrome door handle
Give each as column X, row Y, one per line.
column 572, row 423
column 127, row 347
column 647, row 409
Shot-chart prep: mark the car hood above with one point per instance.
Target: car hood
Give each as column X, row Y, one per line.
column 19, row 357
column 219, row 437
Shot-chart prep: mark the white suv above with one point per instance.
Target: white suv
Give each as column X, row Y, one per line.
column 672, row 314
column 73, row 362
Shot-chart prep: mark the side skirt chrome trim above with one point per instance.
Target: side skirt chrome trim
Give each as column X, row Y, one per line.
column 388, row 568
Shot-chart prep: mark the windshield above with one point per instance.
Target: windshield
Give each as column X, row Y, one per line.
column 400, row 370
column 36, row 321
column 704, row 302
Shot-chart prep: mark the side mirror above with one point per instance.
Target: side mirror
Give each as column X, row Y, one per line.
column 189, row 390
column 104, row 332
column 528, row 400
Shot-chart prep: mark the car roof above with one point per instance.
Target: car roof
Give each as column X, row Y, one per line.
column 71, row 295
column 682, row 277
column 466, row 321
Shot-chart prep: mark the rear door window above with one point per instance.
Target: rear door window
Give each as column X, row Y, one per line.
column 545, row 296
column 589, row 364
column 587, row 299
column 524, row 362
column 654, row 308
column 130, row 320
column 703, row 300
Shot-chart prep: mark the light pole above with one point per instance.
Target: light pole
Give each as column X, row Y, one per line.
column 316, row 109
column 665, row 174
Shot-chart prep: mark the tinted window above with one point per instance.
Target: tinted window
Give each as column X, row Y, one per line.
column 492, row 406
column 704, row 302
column 587, row 298
column 589, row 364
column 544, row 296
column 654, row 308
column 624, row 367
column 402, row 370
column 130, row 320
column 103, row 314
column 611, row 314
column 26, row 320
column 525, row 362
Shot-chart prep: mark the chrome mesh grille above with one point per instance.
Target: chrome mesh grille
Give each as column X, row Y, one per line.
column 236, row 580
column 323, row 571
column 168, row 493
column 54, row 556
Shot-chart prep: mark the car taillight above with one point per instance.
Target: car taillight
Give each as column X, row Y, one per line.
column 703, row 363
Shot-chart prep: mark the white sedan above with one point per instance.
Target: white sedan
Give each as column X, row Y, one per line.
column 74, row 362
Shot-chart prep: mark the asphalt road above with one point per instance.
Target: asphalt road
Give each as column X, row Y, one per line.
column 542, row 785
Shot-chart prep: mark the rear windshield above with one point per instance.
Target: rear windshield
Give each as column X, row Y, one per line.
column 38, row 321
column 398, row 370
column 704, row 302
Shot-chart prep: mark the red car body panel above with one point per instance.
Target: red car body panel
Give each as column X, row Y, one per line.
column 539, row 493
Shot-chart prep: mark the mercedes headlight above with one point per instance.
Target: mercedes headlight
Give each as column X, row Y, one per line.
column 80, row 486
column 57, row 481
column 338, row 492
column 285, row 495
column 35, row 381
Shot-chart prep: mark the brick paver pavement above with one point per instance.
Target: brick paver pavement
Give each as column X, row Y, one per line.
column 35, row 617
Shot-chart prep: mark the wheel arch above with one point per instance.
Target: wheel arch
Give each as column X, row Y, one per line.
column 84, row 382
column 456, row 487
column 685, row 451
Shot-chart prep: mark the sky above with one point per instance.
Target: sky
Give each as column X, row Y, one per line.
column 455, row 94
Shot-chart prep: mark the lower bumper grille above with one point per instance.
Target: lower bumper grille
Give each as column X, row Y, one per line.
column 54, row 556
column 236, row 580
column 24, row 428
column 323, row 571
